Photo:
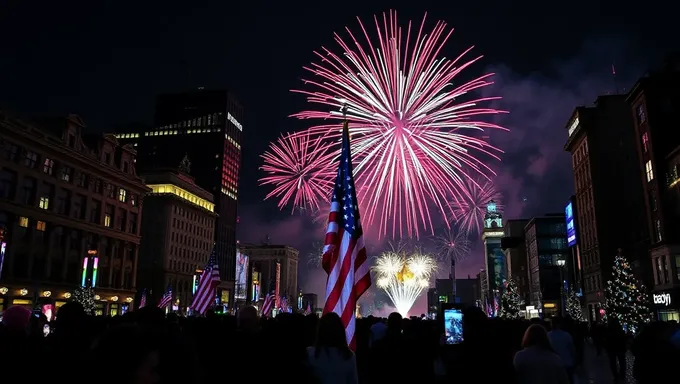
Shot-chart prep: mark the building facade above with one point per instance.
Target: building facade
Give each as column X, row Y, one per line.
column 549, row 266
column 514, row 247
column 207, row 126
column 178, row 232
column 653, row 103
column 64, row 196
column 494, row 260
column 268, row 259
column 601, row 141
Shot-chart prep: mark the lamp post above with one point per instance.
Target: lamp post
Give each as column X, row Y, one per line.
column 560, row 265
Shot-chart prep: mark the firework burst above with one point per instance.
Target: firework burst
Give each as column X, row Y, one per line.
column 469, row 211
column 315, row 255
column 452, row 245
column 298, row 168
column 414, row 140
column 403, row 277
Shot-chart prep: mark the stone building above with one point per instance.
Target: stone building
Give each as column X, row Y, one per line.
column 63, row 196
column 178, row 228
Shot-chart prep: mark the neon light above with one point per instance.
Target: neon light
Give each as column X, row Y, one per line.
column 183, row 194
column 82, row 282
column 234, row 121
column 94, row 271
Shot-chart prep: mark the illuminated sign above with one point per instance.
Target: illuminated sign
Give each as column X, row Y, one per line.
column 573, row 126
column 571, row 228
column 662, row 299
column 234, row 121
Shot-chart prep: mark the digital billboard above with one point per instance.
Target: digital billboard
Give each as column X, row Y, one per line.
column 571, row 227
column 241, row 276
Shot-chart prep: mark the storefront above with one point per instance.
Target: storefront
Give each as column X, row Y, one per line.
column 666, row 304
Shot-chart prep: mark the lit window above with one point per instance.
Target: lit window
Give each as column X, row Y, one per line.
column 40, row 226
column 649, row 170
column 48, row 166
column 44, row 202
column 122, row 195
column 107, row 220
column 23, row 221
column 645, row 142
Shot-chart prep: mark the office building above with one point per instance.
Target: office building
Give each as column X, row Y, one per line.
column 549, row 266
column 177, row 234
column 205, row 125
column 602, row 142
column 653, row 103
column 278, row 266
column 514, row 248
column 70, row 213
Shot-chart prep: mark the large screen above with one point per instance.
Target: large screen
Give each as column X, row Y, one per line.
column 241, row 276
column 571, row 227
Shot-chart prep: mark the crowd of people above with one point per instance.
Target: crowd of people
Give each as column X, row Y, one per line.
column 147, row 346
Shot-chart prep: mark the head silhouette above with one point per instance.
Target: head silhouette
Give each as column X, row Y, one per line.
column 247, row 318
column 331, row 334
column 536, row 336
column 394, row 323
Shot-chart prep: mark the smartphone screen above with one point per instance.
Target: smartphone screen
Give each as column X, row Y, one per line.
column 453, row 325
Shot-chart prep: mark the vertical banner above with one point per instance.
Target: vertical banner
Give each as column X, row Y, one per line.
column 277, row 286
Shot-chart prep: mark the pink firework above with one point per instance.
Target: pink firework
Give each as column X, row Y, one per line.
column 415, row 140
column 469, row 210
column 298, row 168
column 452, row 245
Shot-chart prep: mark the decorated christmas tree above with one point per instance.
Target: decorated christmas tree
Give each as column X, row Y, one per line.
column 85, row 296
column 624, row 296
column 645, row 311
column 510, row 301
column 574, row 309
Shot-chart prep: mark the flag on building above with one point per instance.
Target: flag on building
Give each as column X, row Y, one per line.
column 268, row 304
column 344, row 252
column 309, row 309
column 142, row 300
column 284, row 303
column 496, row 307
column 167, row 297
column 205, row 294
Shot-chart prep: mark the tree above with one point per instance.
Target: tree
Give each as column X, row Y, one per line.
column 574, row 309
column 626, row 300
column 85, row 296
column 510, row 301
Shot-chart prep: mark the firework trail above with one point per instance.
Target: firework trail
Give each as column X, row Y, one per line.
column 452, row 245
column 415, row 141
column 469, row 211
column 403, row 277
column 297, row 167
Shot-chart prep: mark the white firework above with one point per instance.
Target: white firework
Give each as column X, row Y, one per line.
column 452, row 245
column 404, row 277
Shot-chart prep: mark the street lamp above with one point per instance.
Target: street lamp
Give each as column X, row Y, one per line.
column 560, row 265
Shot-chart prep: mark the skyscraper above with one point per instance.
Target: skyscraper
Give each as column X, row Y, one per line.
column 205, row 126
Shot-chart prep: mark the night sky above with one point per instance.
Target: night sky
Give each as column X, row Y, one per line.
column 107, row 63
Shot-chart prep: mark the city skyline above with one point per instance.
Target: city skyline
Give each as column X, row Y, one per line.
column 540, row 84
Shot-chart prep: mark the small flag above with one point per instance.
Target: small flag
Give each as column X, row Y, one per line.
column 167, row 297
column 344, row 252
column 284, row 304
column 309, row 309
column 207, row 286
column 268, row 304
column 142, row 301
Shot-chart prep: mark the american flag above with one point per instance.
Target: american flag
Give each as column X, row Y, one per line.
column 207, row 286
column 268, row 304
column 142, row 301
column 167, row 297
column 344, row 252
column 284, row 304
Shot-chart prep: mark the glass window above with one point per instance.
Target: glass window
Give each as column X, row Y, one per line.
column 645, row 142
column 640, row 111
column 649, row 170
column 48, row 166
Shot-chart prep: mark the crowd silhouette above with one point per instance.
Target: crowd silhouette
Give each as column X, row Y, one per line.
column 147, row 346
